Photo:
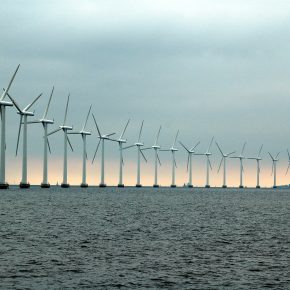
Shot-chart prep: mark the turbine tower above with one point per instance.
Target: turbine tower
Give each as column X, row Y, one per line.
column 223, row 160
column 102, row 139
column 258, row 159
column 241, row 157
column 138, row 145
column 190, row 152
column 122, row 141
column 274, row 162
column 84, row 135
column 3, row 105
column 23, row 121
column 45, row 122
column 156, row 147
column 173, row 150
column 66, row 140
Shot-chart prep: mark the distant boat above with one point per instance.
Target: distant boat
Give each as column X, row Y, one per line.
column 57, row 183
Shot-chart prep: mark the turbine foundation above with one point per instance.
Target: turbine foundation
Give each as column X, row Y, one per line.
column 4, row 185
column 258, row 186
column 207, row 186
column 190, row 186
column 138, row 185
column 121, row 185
column 24, row 185
column 84, row 185
column 173, row 185
column 274, row 186
column 241, row 186
column 45, row 185
column 156, row 185
column 64, row 185
column 224, row 186
column 102, row 185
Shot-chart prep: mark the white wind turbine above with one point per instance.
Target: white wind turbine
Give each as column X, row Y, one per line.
column 155, row 147
column 241, row 157
column 138, row 145
column 208, row 164
column 3, row 105
column 174, row 165
column 84, row 135
column 45, row 122
column 258, row 159
column 65, row 130
column 121, row 141
column 223, row 160
column 23, row 121
column 190, row 152
column 274, row 162
column 102, row 139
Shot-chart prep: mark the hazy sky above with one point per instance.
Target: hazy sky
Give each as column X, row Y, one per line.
column 207, row 68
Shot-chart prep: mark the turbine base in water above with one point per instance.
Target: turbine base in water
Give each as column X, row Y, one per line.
column 138, row 185
column 121, row 185
column 4, row 185
column 173, row 185
column 258, row 186
column 224, row 186
column 64, row 185
column 190, row 186
column 102, row 185
column 84, row 185
column 207, row 186
column 24, row 185
column 241, row 186
column 155, row 185
column 45, row 185
column 274, row 186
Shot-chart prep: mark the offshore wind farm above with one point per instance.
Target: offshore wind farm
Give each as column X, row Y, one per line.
column 145, row 144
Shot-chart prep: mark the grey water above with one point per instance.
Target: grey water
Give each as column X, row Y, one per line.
column 128, row 238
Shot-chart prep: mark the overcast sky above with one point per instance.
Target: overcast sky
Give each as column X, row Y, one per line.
column 206, row 67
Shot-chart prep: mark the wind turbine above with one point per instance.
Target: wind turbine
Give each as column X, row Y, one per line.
column 138, row 145
column 84, row 135
column 66, row 140
column 24, row 113
column 45, row 122
column 258, row 159
column 102, row 139
column 121, row 141
column 173, row 150
column 190, row 152
column 241, row 157
column 223, row 160
column 274, row 161
column 3, row 105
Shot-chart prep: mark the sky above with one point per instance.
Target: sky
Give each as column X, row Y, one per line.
column 208, row 68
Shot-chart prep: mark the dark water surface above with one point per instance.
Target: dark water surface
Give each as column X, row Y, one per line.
column 144, row 238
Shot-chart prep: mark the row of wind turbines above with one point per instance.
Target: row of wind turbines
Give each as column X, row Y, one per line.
column 139, row 146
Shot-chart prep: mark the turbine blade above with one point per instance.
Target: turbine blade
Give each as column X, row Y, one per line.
column 86, row 120
column 33, row 122
column 184, row 146
column 111, row 134
column 277, row 155
column 220, row 165
column 219, row 148
column 271, row 156
column 48, row 146
column 209, row 164
column 260, row 150
column 96, row 125
column 243, row 148
column 14, row 103
column 140, row 131
column 175, row 162
column 288, row 154
column 19, row 131
column 158, row 159
column 143, row 155
column 54, row 131
column 96, row 151
column 287, row 169
column 125, row 129
column 175, row 139
column 65, row 114
column 129, row 147
column 48, row 104
column 193, row 148
column 147, row 148
column 69, row 144
column 9, row 84
column 233, row 153
column 33, row 102
column 123, row 161
column 210, row 144
column 157, row 136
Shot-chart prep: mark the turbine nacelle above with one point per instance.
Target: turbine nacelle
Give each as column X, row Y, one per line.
column 66, row 127
column 85, row 132
column 155, row 147
column 122, row 140
column 5, row 103
column 46, row 121
column 138, row 144
column 27, row 113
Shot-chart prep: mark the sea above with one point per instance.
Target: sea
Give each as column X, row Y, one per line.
column 144, row 238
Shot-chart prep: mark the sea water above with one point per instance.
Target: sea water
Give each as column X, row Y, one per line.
column 181, row 238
